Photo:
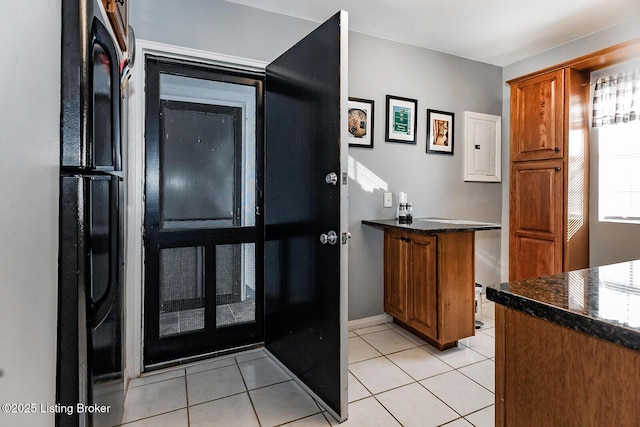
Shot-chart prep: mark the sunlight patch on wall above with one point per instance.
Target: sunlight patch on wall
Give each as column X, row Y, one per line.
column 368, row 180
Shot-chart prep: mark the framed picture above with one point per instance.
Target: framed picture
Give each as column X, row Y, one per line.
column 401, row 120
column 360, row 123
column 440, row 132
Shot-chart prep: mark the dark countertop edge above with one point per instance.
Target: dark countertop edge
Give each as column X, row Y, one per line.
column 445, row 228
column 607, row 331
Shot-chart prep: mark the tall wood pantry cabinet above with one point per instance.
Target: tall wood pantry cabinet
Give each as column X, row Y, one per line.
column 549, row 185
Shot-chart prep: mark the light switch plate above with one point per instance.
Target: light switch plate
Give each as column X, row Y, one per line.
column 387, row 200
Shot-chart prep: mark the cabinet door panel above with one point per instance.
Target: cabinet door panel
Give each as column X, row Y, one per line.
column 536, row 197
column 422, row 290
column 395, row 274
column 536, row 224
column 537, row 118
column 536, row 257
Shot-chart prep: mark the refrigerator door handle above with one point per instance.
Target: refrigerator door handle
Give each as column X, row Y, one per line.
column 101, row 305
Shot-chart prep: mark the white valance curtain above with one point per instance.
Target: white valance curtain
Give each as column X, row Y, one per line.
column 616, row 99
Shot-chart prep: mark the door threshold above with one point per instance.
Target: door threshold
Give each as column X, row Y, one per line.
column 200, row 357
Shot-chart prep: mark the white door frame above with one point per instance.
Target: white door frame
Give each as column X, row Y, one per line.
column 344, row 212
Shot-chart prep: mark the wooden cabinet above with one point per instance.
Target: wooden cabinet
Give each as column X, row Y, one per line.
column 550, row 375
column 429, row 284
column 548, row 203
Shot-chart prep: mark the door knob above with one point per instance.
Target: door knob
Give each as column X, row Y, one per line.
column 331, row 178
column 331, row 237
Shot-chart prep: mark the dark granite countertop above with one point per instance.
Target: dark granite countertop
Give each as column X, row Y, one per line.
column 433, row 225
column 602, row 301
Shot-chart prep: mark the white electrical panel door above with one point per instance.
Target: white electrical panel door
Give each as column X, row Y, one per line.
column 482, row 147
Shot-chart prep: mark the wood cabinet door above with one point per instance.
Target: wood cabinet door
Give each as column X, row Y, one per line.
column 536, row 219
column 537, row 117
column 396, row 268
column 456, row 286
column 422, row 292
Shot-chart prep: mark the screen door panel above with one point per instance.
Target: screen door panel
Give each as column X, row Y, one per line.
column 203, row 232
column 182, row 290
column 235, row 284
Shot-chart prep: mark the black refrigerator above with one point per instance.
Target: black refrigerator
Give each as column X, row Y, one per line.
column 90, row 358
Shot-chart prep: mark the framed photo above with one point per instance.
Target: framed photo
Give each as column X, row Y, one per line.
column 401, row 120
column 440, row 132
column 360, row 123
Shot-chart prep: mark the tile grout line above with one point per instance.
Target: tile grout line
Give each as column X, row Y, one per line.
column 319, row 408
column 461, row 373
column 481, row 385
column 428, row 391
column 186, row 394
column 461, row 416
column 414, row 345
column 374, row 395
column 247, row 391
column 158, row 414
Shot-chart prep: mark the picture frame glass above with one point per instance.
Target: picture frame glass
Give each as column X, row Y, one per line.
column 440, row 127
column 360, row 122
column 401, row 120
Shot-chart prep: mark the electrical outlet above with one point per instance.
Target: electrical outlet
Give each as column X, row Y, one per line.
column 387, row 200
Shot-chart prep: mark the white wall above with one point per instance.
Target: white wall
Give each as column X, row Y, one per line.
column 434, row 182
column 217, row 26
column 377, row 67
column 600, row 40
column 29, row 158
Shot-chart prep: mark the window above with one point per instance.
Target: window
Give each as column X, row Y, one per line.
column 616, row 122
column 619, row 293
column 619, row 172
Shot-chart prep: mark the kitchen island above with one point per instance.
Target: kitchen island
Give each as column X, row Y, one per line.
column 568, row 348
column 429, row 276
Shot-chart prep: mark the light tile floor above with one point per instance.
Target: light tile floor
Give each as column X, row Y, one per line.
column 395, row 379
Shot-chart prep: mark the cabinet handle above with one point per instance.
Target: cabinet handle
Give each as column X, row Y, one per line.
column 403, row 238
column 408, row 239
column 557, row 149
column 558, row 169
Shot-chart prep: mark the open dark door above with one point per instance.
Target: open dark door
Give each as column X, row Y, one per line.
column 306, row 212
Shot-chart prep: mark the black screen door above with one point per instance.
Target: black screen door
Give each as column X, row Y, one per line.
column 305, row 204
column 203, row 223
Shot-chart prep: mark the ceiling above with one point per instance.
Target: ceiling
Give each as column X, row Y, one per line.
column 498, row 32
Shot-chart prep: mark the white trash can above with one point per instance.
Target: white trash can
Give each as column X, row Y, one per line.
column 478, row 304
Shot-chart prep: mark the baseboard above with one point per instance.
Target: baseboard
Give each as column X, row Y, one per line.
column 369, row 321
